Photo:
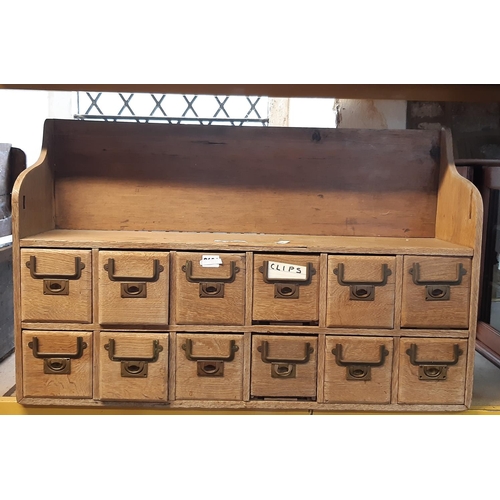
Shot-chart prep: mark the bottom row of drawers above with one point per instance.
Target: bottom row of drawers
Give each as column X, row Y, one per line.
column 119, row 366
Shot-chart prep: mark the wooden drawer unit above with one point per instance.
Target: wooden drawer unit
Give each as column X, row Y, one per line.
column 436, row 292
column 432, row 371
column 57, row 364
column 133, row 288
column 132, row 366
column 209, row 367
column 284, row 367
column 271, row 268
column 358, row 370
column 361, row 291
column 286, row 288
column 56, row 286
column 209, row 295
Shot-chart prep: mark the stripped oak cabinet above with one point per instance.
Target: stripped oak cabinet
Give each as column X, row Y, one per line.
column 245, row 268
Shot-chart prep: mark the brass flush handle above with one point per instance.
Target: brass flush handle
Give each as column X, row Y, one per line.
column 284, row 368
column 79, row 266
column 188, row 348
column 358, row 370
column 210, row 366
column 433, row 370
column 362, row 290
column 437, row 290
column 134, row 366
column 157, row 269
column 264, row 350
column 211, row 287
column 285, row 288
column 57, row 363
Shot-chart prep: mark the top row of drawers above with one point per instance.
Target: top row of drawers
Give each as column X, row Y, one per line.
column 133, row 289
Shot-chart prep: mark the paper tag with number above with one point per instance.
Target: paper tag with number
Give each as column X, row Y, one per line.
column 210, row 261
column 283, row 271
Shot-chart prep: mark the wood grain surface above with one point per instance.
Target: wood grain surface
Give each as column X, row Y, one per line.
column 191, row 309
column 189, row 385
column 77, row 384
column 109, row 383
column 342, row 311
column 138, row 312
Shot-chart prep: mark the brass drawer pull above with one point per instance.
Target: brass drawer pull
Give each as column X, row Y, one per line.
column 157, row 269
column 433, row 370
column 188, row 269
column 57, row 363
column 80, row 346
column 133, row 366
column 211, row 287
column 358, row 370
column 79, row 266
column 362, row 290
column 284, row 288
column 264, row 349
column 188, row 348
column 437, row 290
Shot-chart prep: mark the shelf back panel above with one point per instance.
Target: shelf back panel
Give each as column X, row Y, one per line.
column 326, row 182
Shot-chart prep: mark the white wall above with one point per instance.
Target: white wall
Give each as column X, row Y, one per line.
column 22, row 115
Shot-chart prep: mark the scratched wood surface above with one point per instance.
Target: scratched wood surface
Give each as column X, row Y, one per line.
column 123, row 176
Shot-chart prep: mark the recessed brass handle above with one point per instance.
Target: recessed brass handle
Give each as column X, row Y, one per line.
column 188, row 348
column 157, row 269
column 359, row 370
column 80, row 347
column 415, row 272
column 264, row 350
column 433, row 370
column 157, row 348
column 79, row 266
column 412, row 352
column 362, row 290
column 188, row 269
column 134, row 366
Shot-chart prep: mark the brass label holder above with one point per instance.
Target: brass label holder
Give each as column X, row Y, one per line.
column 210, row 288
column 133, row 290
column 284, row 288
column 359, row 370
column 209, row 366
column 433, row 370
column 57, row 363
column 284, row 368
column 133, row 366
column 361, row 290
column 56, row 287
column 437, row 290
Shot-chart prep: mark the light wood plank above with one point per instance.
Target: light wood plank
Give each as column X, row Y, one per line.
column 161, row 240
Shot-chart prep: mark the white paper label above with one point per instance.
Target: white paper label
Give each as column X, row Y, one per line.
column 210, row 261
column 283, row 271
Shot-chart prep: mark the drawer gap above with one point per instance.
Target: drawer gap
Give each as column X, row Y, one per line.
column 285, row 323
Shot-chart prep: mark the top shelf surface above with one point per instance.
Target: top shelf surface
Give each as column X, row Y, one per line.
column 166, row 240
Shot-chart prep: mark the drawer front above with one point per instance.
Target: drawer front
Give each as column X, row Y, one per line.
column 209, row 367
column 286, row 288
column 284, row 367
column 361, row 291
column 209, row 295
column 57, row 364
column 56, row 286
column 133, row 288
column 432, row 371
column 132, row 366
column 436, row 292
column 358, row 370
